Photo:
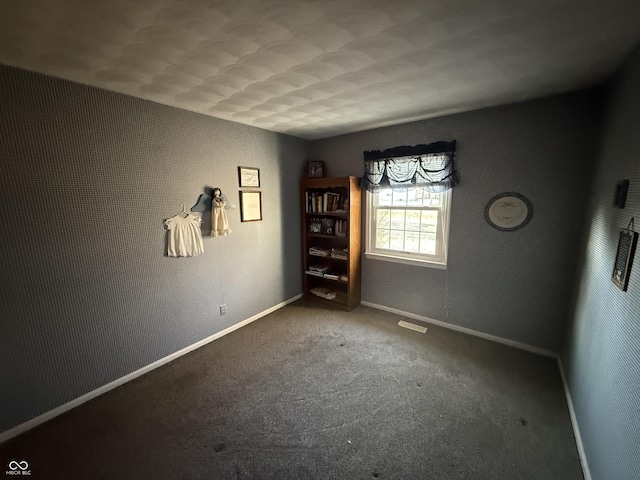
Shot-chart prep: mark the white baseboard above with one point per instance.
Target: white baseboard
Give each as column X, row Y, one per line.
column 523, row 346
column 574, row 423
column 28, row 425
column 23, row 427
column 469, row 331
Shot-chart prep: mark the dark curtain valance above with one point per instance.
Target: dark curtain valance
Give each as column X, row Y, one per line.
column 430, row 167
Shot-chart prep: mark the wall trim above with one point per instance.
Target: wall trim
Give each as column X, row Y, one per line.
column 34, row 422
column 574, row 423
column 523, row 346
column 494, row 338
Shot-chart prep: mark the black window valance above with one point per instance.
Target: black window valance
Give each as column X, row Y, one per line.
column 430, row 167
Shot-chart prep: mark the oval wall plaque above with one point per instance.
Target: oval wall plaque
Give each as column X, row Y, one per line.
column 508, row 211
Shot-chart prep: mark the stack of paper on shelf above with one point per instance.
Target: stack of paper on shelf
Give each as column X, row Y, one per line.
column 339, row 253
column 323, row 293
column 317, row 270
column 319, row 251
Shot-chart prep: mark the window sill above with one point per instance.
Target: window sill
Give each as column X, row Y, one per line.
column 406, row 261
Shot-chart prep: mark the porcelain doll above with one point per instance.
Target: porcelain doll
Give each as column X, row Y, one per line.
column 219, row 222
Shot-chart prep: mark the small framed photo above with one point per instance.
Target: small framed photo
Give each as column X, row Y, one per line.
column 315, row 169
column 250, row 206
column 249, row 177
column 624, row 258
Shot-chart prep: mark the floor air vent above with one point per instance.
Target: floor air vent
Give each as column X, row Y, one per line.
column 412, row 326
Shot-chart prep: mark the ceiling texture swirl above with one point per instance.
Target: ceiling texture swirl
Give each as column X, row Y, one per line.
column 321, row 68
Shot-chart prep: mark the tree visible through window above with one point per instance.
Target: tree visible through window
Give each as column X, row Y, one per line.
column 408, row 224
column 408, row 202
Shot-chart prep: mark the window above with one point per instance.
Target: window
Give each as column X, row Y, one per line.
column 408, row 226
column 408, row 203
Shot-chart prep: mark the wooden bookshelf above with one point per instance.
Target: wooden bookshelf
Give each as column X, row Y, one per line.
column 331, row 240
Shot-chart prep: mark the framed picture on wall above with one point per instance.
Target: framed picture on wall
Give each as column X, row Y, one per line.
column 250, row 206
column 249, row 177
column 624, row 258
column 315, row 169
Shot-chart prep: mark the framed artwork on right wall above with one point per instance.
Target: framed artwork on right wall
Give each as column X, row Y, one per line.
column 624, row 258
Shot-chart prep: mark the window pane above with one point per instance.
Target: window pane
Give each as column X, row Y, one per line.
column 383, row 197
column 396, row 241
column 429, row 221
column 428, row 243
column 382, row 239
column 409, row 225
column 383, row 218
column 413, row 220
column 400, row 198
column 412, row 242
column 397, row 219
column 415, row 198
column 432, row 199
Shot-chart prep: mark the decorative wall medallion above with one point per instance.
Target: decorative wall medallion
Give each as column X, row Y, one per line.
column 508, row 211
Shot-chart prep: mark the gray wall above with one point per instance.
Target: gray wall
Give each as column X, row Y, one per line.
column 515, row 285
column 87, row 177
column 602, row 356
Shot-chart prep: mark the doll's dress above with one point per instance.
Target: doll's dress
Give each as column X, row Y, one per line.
column 219, row 222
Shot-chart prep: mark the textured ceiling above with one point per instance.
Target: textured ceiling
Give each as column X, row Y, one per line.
column 320, row 68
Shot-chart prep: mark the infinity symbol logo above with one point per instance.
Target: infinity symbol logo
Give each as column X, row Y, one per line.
column 23, row 465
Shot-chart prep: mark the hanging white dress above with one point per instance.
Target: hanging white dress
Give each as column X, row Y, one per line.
column 219, row 221
column 184, row 236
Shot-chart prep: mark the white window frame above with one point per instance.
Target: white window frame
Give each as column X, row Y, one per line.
column 439, row 260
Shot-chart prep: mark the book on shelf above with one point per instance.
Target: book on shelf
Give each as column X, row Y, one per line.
column 311, row 199
column 340, row 253
column 315, row 273
column 315, row 202
column 328, row 276
column 319, row 251
column 331, row 201
column 323, row 202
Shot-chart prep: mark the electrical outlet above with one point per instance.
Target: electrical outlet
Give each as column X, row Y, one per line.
column 223, row 309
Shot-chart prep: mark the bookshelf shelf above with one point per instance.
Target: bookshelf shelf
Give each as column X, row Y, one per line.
column 331, row 240
column 320, row 235
column 331, row 214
